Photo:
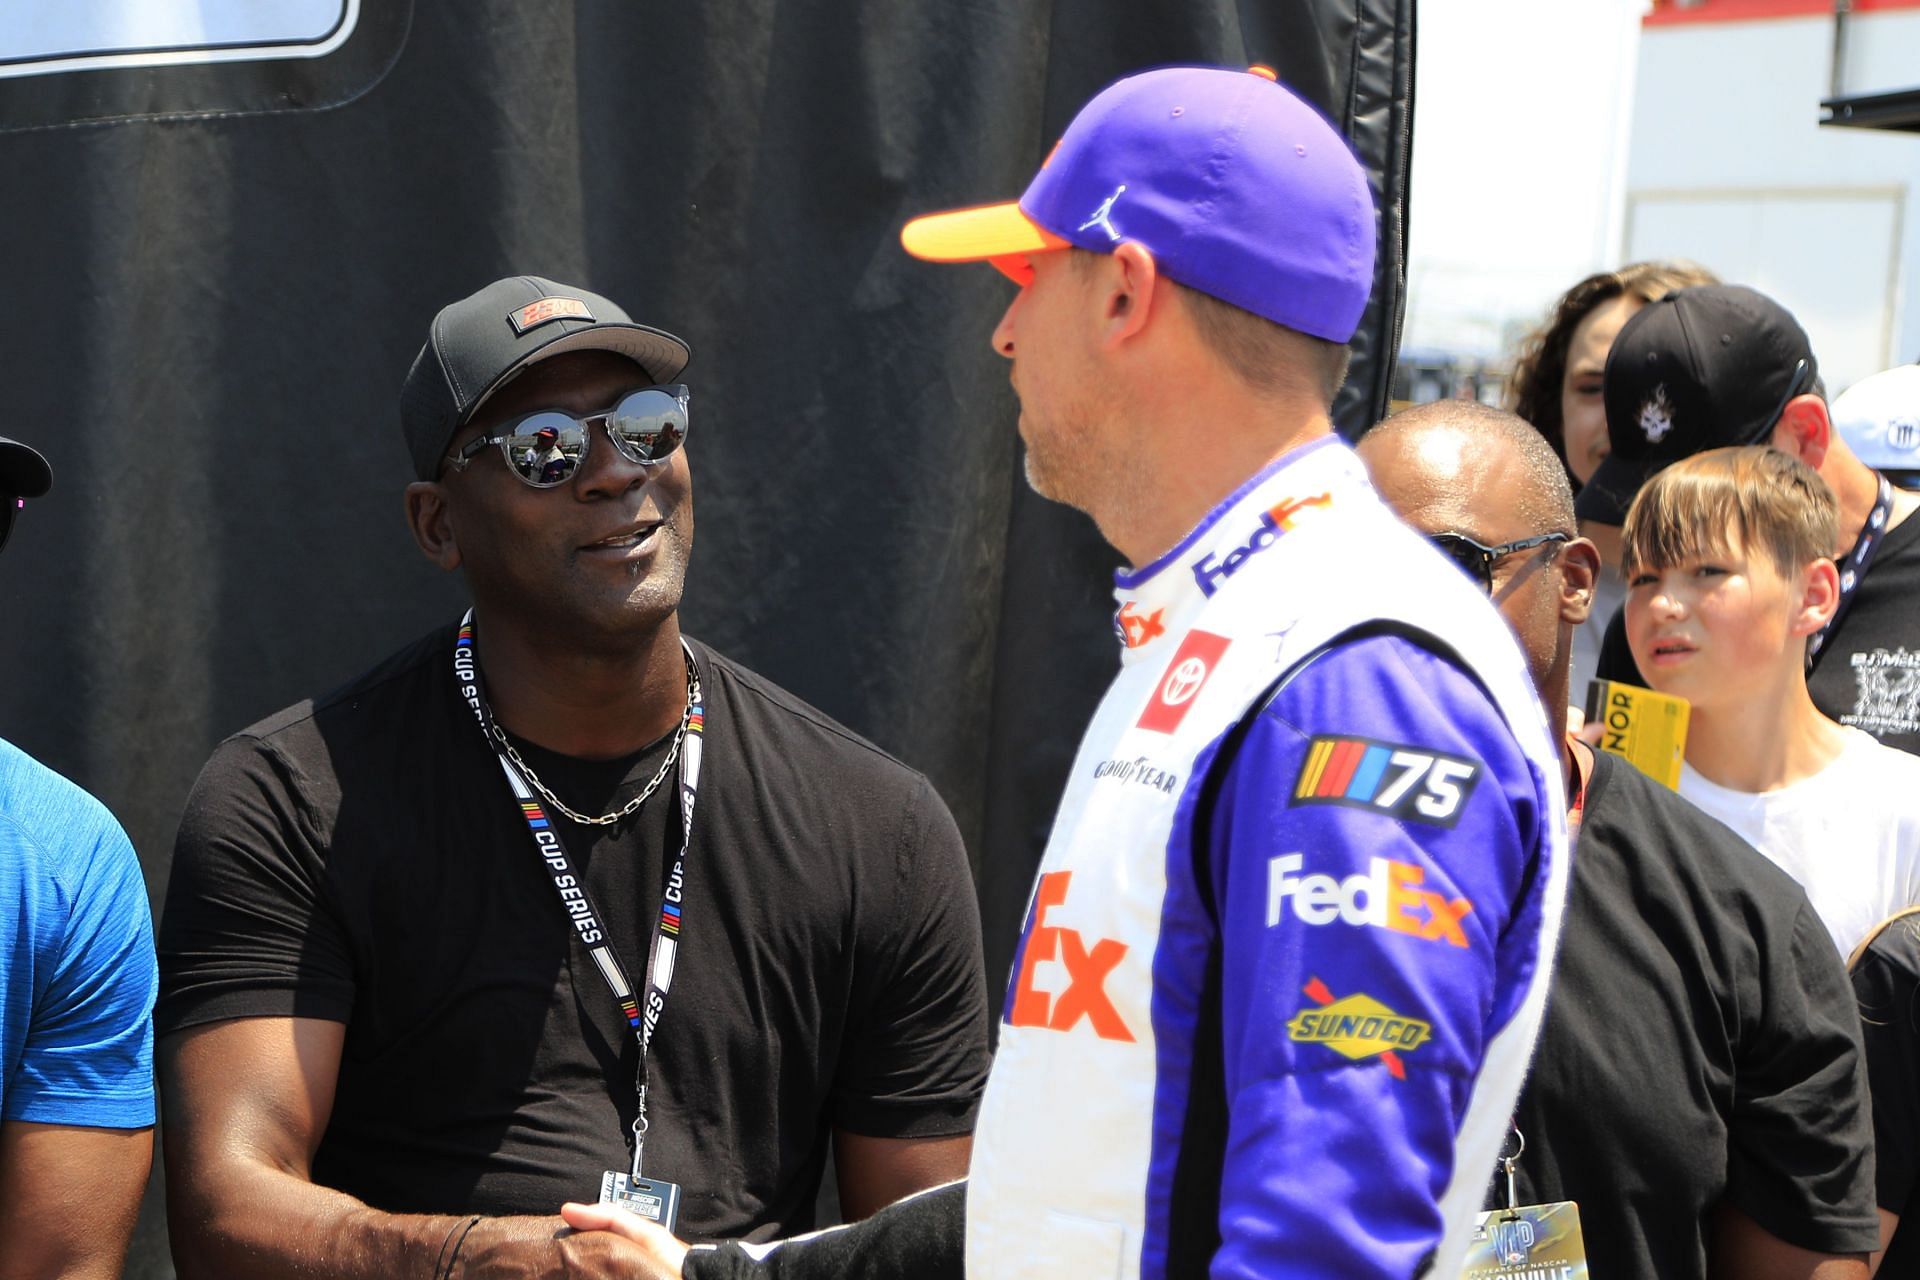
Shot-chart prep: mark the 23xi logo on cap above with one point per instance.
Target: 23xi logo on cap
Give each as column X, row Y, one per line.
column 1181, row 682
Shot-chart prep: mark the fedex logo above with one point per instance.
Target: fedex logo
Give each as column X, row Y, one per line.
column 1387, row 896
column 1085, row 997
column 1274, row 521
column 1138, row 628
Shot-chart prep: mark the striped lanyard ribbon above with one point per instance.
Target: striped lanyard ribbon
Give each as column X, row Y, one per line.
column 571, row 885
column 1853, row 567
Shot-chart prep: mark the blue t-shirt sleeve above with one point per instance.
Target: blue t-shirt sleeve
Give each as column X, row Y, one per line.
column 87, row 1058
column 1375, row 853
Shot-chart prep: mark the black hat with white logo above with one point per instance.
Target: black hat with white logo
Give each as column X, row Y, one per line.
column 480, row 343
column 1700, row 369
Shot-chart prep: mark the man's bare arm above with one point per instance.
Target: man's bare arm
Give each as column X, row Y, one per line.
column 1745, row 1250
column 246, row 1103
column 68, row 1198
column 1888, row 1222
column 875, row 1172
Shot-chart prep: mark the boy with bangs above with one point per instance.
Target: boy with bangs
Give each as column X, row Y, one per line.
column 1728, row 559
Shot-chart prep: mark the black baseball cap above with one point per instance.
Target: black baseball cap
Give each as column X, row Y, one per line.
column 1700, row 369
column 23, row 472
column 480, row 343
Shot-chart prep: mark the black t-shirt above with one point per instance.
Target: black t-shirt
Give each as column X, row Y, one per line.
column 1869, row 674
column 360, row 859
column 1886, row 980
column 1699, row 1043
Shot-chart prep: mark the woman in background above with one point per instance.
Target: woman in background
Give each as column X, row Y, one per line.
column 1555, row 385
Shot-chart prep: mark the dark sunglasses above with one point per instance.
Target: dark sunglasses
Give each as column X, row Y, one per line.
column 1476, row 559
column 546, row 447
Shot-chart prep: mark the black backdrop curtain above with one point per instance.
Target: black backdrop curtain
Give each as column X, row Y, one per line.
column 218, row 273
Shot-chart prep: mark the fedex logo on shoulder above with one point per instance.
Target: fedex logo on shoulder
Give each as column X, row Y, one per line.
column 1274, row 521
column 1387, row 896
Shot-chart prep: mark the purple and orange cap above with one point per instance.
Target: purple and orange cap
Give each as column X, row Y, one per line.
column 1235, row 185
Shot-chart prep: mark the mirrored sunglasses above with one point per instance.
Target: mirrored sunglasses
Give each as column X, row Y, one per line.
column 545, row 448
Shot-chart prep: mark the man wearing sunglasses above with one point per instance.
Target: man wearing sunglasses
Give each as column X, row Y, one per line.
column 555, row 903
column 76, row 1001
column 1722, row 365
column 1699, row 1088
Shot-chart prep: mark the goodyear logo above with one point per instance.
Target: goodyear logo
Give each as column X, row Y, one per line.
column 1386, row 777
column 1358, row 1027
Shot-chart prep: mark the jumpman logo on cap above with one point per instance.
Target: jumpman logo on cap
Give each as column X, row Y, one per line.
column 1103, row 216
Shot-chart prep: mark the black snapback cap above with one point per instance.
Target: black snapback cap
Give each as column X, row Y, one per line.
column 1702, row 368
column 478, row 344
column 23, row 472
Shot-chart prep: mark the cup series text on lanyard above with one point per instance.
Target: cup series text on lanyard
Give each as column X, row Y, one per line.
column 572, row 889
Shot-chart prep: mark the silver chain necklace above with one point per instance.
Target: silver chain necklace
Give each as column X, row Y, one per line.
column 608, row 819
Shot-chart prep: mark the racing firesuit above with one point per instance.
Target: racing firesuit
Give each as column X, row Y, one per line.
column 1289, row 944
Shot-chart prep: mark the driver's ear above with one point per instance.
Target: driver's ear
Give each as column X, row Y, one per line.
column 1135, row 287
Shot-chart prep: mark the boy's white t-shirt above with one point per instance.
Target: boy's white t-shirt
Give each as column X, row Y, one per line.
column 1850, row 834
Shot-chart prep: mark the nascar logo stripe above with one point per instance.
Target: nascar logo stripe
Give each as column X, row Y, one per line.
column 1316, row 764
column 670, row 918
column 1342, row 768
column 1404, row 781
column 536, row 816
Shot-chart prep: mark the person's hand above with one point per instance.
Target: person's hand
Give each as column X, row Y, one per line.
column 544, row 1249
column 658, row 1254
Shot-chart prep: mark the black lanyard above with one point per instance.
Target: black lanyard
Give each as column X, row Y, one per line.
column 572, row 886
column 1853, row 567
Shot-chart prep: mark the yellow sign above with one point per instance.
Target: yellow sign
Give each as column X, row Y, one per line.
column 1647, row 729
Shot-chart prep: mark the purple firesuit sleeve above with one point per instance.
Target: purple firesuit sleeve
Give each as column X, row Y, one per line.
column 1375, row 855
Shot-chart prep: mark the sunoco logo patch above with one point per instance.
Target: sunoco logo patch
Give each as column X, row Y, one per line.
column 1358, row 1027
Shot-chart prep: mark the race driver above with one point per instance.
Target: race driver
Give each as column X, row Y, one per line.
column 1288, row 948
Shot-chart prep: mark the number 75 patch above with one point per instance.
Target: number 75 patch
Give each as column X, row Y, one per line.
column 1386, row 777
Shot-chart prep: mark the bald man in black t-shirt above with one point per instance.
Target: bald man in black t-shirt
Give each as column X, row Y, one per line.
column 1699, row 1086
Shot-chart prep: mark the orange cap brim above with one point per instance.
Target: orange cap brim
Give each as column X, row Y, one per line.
column 996, row 233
